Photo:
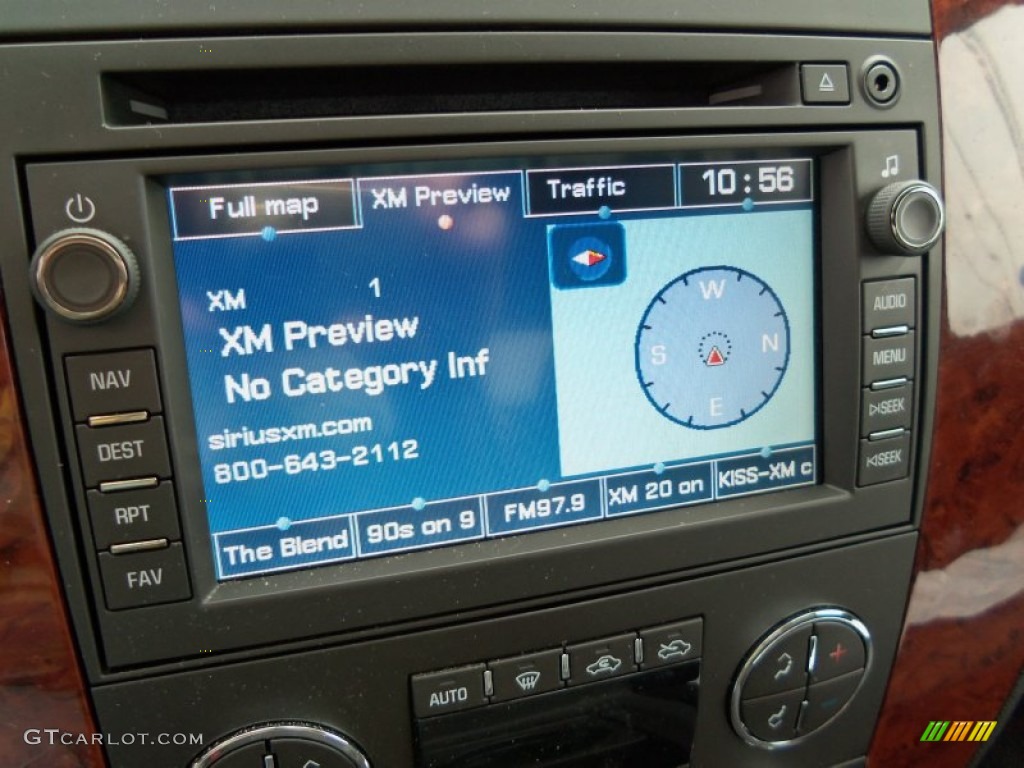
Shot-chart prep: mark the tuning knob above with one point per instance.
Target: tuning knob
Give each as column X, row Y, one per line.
column 84, row 275
column 906, row 217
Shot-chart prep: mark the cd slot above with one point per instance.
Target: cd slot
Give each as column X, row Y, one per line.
column 237, row 95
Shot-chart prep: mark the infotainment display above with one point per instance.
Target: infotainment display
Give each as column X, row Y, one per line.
column 390, row 358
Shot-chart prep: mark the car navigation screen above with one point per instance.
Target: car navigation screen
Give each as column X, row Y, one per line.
column 386, row 358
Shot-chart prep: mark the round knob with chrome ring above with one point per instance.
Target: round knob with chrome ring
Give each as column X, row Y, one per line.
column 906, row 217
column 84, row 275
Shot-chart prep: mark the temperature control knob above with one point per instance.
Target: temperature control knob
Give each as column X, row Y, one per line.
column 283, row 745
column 906, row 217
column 84, row 275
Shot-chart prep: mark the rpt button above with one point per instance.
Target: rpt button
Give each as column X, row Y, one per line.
column 117, row 453
column 117, row 382
column 118, row 518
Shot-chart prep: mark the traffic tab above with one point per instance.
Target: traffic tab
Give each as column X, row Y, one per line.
column 588, row 190
column 263, row 209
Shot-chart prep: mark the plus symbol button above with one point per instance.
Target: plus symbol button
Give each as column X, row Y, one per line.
column 838, row 653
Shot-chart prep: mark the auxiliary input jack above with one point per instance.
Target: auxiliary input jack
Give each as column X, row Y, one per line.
column 881, row 82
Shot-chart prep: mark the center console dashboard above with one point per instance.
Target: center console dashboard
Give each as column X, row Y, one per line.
column 495, row 397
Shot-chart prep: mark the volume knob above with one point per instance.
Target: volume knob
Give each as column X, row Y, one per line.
column 906, row 217
column 84, row 275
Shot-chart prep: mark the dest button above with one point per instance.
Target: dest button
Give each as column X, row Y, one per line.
column 526, row 675
column 117, row 453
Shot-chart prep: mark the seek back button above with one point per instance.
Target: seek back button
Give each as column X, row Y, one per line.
column 884, row 460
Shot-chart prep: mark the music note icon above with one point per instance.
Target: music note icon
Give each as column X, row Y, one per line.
column 892, row 166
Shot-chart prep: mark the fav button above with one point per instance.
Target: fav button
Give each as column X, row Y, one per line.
column 601, row 659
column 112, row 383
column 116, row 453
column 145, row 578
column 782, row 666
column 526, row 675
column 672, row 643
column 772, row 718
column 118, row 518
column 450, row 690
column 839, row 650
